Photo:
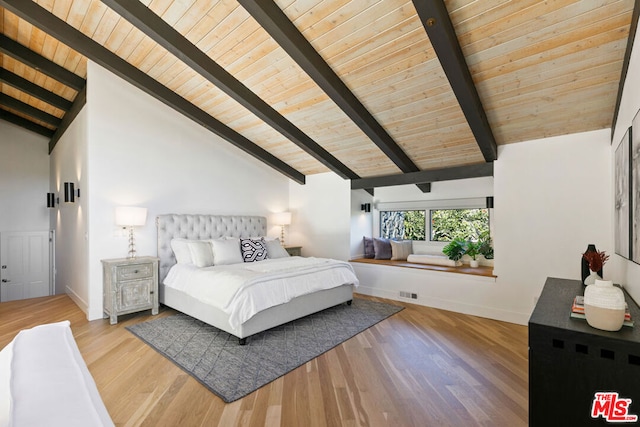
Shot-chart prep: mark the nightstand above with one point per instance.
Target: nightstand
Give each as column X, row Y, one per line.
column 130, row 285
column 294, row 250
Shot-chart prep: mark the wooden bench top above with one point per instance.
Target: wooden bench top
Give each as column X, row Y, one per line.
column 463, row 269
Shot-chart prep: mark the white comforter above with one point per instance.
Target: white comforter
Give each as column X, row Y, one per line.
column 45, row 381
column 242, row 290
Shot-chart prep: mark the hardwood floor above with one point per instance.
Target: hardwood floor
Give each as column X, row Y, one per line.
column 420, row 367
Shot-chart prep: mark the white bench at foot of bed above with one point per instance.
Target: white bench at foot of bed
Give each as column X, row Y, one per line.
column 45, row 381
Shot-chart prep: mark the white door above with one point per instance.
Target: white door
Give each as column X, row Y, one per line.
column 25, row 265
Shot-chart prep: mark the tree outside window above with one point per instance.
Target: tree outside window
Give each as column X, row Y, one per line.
column 445, row 224
column 459, row 224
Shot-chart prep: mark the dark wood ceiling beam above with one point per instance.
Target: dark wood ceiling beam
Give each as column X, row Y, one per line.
column 69, row 117
column 633, row 28
column 278, row 25
column 34, row 90
column 426, row 176
column 25, row 124
column 40, row 63
column 41, row 18
column 27, row 109
column 435, row 19
column 162, row 33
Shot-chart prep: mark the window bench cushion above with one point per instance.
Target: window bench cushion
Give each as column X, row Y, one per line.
column 434, row 259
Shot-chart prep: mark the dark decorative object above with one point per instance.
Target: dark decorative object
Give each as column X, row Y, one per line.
column 622, row 196
column 634, row 137
column 365, row 207
column 70, row 193
column 51, row 200
column 595, row 262
column 490, row 202
column 585, row 263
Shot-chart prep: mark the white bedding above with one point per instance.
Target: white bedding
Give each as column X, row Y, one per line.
column 48, row 382
column 244, row 289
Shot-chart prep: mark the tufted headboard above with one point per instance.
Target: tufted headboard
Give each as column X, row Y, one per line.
column 200, row 227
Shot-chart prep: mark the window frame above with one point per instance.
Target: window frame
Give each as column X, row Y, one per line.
column 427, row 205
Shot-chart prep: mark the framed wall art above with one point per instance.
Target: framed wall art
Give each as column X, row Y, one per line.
column 635, row 188
column 622, row 197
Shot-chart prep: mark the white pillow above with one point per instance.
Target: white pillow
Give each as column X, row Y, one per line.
column 201, row 253
column 181, row 250
column 401, row 250
column 226, row 251
column 275, row 249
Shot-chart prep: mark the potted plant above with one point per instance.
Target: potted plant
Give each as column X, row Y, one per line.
column 473, row 250
column 486, row 249
column 455, row 249
column 596, row 260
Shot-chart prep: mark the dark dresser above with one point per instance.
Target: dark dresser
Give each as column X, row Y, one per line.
column 569, row 362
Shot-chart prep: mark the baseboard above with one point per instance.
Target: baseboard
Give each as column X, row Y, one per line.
column 456, row 306
column 78, row 300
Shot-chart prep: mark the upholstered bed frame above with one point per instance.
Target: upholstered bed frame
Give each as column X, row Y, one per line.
column 200, row 227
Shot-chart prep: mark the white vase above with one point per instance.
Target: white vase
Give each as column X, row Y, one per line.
column 604, row 305
column 592, row 277
column 474, row 263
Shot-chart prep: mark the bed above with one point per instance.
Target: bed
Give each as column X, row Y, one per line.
column 45, row 381
column 202, row 228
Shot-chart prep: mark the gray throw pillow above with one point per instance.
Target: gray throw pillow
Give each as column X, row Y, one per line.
column 369, row 250
column 382, row 248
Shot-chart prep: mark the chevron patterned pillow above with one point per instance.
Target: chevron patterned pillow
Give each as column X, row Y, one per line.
column 253, row 249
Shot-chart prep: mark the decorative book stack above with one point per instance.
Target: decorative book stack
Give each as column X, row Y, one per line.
column 577, row 311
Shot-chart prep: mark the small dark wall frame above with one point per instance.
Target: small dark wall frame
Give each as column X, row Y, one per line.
column 635, row 188
column 622, row 196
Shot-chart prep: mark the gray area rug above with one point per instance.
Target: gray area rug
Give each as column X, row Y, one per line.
column 232, row 371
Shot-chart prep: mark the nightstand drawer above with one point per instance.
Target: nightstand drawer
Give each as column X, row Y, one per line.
column 134, row 271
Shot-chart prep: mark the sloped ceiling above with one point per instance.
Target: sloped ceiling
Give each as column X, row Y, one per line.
column 363, row 88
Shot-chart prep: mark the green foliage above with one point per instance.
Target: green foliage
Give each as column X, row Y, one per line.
column 415, row 225
column 455, row 249
column 472, row 249
column 410, row 225
column 459, row 224
column 486, row 248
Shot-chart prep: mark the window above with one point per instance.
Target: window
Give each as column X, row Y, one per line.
column 462, row 224
column 409, row 225
column 445, row 224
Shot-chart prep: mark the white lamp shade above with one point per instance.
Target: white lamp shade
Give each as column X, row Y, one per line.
column 282, row 218
column 129, row 216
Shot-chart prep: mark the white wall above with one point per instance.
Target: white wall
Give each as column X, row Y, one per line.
column 70, row 220
column 361, row 222
column 321, row 212
column 629, row 107
column 24, row 179
column 552, row 198
column 142, row 153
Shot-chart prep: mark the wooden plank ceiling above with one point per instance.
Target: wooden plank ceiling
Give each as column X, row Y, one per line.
column 540, row 68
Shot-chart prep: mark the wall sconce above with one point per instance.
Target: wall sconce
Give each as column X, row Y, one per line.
column 490, row 202
column 130, row 217
column 51, row 200
column 365, row 207
column 282, row 219
column 70, row 193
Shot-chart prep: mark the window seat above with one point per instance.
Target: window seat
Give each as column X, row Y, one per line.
column 463, row 269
